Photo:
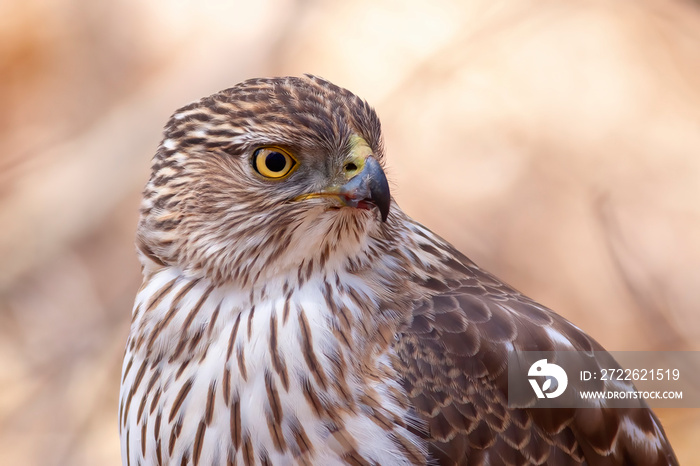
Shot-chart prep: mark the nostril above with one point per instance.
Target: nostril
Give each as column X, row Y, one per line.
column 350, row 167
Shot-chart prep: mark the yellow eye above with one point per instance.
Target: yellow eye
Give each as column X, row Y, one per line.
column 273, row 162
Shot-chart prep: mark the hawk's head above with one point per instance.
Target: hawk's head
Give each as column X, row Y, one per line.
column 262, row 175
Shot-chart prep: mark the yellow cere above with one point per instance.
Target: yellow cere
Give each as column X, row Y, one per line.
column 358, row 154
column 274, row 162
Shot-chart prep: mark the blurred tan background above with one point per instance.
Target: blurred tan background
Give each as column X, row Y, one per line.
column 556, row 142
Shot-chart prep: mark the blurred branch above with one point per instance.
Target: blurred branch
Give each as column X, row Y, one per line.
column 645, row 290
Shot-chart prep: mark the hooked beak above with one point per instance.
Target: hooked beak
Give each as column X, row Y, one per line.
column 368, row 188
column 364, row 189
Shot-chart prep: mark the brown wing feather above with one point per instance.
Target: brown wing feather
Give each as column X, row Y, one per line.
column 452, row 359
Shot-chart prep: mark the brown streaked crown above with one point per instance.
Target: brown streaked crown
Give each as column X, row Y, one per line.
column 204, row 194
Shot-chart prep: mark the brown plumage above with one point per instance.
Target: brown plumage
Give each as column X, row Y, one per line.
column 291, row 312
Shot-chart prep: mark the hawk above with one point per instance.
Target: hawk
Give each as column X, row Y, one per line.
column 291, row 313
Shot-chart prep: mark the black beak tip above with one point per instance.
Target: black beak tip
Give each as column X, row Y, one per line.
column 380, row 195
column 383, row 203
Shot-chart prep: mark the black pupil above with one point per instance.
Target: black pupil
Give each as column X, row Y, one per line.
column 275, row 162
